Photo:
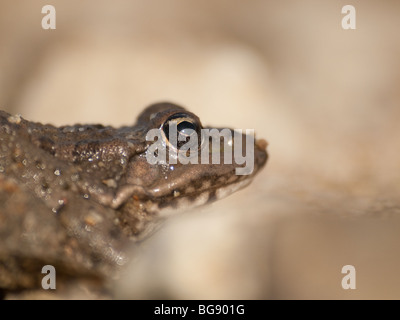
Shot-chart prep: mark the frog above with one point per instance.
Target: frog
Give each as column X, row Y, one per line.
column 75, row 197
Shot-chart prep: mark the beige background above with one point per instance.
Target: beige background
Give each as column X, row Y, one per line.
column 326, row 99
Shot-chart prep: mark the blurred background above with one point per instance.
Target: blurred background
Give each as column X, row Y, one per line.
column 326, row 99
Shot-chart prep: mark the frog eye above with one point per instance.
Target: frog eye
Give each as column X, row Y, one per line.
column 187, row 130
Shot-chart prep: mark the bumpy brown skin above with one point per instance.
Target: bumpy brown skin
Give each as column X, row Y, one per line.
column 72, row 196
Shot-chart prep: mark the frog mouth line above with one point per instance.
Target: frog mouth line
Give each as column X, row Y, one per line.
column 169, row 205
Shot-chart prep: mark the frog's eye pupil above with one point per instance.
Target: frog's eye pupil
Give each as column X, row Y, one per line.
column 186, row 128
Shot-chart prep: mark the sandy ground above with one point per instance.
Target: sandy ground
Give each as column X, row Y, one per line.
column 326, row 99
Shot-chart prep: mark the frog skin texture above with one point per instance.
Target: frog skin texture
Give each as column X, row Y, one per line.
column 74, row 196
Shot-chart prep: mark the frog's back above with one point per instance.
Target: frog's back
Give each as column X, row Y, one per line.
column 43, row 215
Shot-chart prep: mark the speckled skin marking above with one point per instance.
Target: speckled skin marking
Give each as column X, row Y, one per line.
column 72, row 196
